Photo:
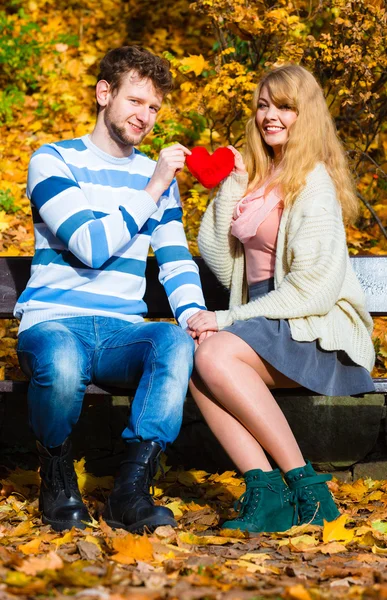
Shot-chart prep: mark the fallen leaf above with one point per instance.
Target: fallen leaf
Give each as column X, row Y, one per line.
column 88, row 550
column 332, row 548
column 335, row 530
column 297, row 592
column 131, row 548
column 21, row 529
column 380, row 525
column 34, row 565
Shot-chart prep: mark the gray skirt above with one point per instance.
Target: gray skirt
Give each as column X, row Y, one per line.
column 321, row 371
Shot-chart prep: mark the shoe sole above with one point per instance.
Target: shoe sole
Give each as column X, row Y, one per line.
column 62, row 525
column 140, row 526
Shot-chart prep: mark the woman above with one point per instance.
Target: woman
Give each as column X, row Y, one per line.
column 274, row 235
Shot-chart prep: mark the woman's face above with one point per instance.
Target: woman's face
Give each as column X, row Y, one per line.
column 274, row 122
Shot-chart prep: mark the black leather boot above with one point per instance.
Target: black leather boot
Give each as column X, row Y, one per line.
column 60, row 499
column 130, row 505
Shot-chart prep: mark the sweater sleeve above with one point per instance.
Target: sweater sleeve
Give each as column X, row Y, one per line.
column 179, row 273
column 217, row 245
column 317, row 255
column 64, row 208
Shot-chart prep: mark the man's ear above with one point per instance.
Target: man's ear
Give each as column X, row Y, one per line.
column 102, row 92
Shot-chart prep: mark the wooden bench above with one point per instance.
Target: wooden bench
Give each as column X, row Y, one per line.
column 15, row 271
column 334, row 433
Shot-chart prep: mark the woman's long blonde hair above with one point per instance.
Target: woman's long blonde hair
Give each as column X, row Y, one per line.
column 312, row 139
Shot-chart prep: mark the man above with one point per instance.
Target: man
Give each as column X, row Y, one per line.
column 98, row 204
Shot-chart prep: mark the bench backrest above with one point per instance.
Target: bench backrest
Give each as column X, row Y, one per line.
column 371, row 271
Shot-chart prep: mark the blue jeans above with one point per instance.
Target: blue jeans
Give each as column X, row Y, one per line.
column 62, row 357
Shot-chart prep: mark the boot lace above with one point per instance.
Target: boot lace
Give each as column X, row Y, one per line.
column 57, row 474
column 142, row 478
column 247, row 504
column 308, row 505
column 307, row 501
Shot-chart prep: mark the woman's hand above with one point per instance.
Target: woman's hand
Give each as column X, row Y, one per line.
column 203, row 320
column 203, row 336
column 239, row 167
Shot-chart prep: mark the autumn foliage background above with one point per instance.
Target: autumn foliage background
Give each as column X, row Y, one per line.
column 218, row 49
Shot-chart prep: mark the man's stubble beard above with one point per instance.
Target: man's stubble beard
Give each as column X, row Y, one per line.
column 119, row 133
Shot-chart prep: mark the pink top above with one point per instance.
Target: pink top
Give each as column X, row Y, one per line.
column 255, row 223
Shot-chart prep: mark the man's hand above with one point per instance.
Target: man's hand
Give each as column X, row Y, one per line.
column 198, row 339
column 171, row 161
column 202, row 321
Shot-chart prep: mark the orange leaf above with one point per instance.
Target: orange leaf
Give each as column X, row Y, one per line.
column 298, row 592
column 132, row 547
column 31, row 547
column 34, row 565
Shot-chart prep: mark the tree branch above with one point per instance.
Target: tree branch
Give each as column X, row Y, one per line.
column 373, row 213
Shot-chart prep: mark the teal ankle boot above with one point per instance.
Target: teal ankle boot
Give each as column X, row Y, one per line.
column 266, row 504
column 314, row 500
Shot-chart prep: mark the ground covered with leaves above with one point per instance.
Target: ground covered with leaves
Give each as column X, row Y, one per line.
column 198, row 560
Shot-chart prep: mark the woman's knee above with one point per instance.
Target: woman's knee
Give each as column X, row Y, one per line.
column 212, row 356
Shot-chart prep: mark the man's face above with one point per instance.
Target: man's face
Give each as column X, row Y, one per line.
column 131, row 111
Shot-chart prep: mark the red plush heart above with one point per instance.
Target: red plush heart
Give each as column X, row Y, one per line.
column 210, row 169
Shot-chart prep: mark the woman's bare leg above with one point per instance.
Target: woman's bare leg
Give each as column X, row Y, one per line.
column 237, row 441
column 239, row 380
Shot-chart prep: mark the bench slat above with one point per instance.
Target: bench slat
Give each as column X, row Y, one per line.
column 20, row 387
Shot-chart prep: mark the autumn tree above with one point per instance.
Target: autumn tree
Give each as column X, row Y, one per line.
column 49, row 54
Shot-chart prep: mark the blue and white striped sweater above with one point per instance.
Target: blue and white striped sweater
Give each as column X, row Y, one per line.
column 94, row 224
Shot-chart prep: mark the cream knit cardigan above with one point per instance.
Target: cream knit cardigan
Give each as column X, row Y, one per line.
column 315, row 286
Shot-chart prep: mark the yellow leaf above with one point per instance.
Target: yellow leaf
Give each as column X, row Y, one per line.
column 191, row 477
column 13, row 578
column 88, row 482
column 233, row 533
column 194, row 506
column 303, row 542
column 226, row 477
column 66, row 539
column 132, row 547
column 355, row 490
column 335, row 530
column 31, row 547
column 89, row 80
column 195, row 63
column 204, row 540
column 187, row 86
column 21, row 529
column 277, row 14
column 378, row 550
column 36, row 126
column 175, row 508
column 89, row 59
column 297, row 592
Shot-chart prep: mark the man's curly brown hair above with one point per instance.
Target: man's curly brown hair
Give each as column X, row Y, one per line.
column 120, row 61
